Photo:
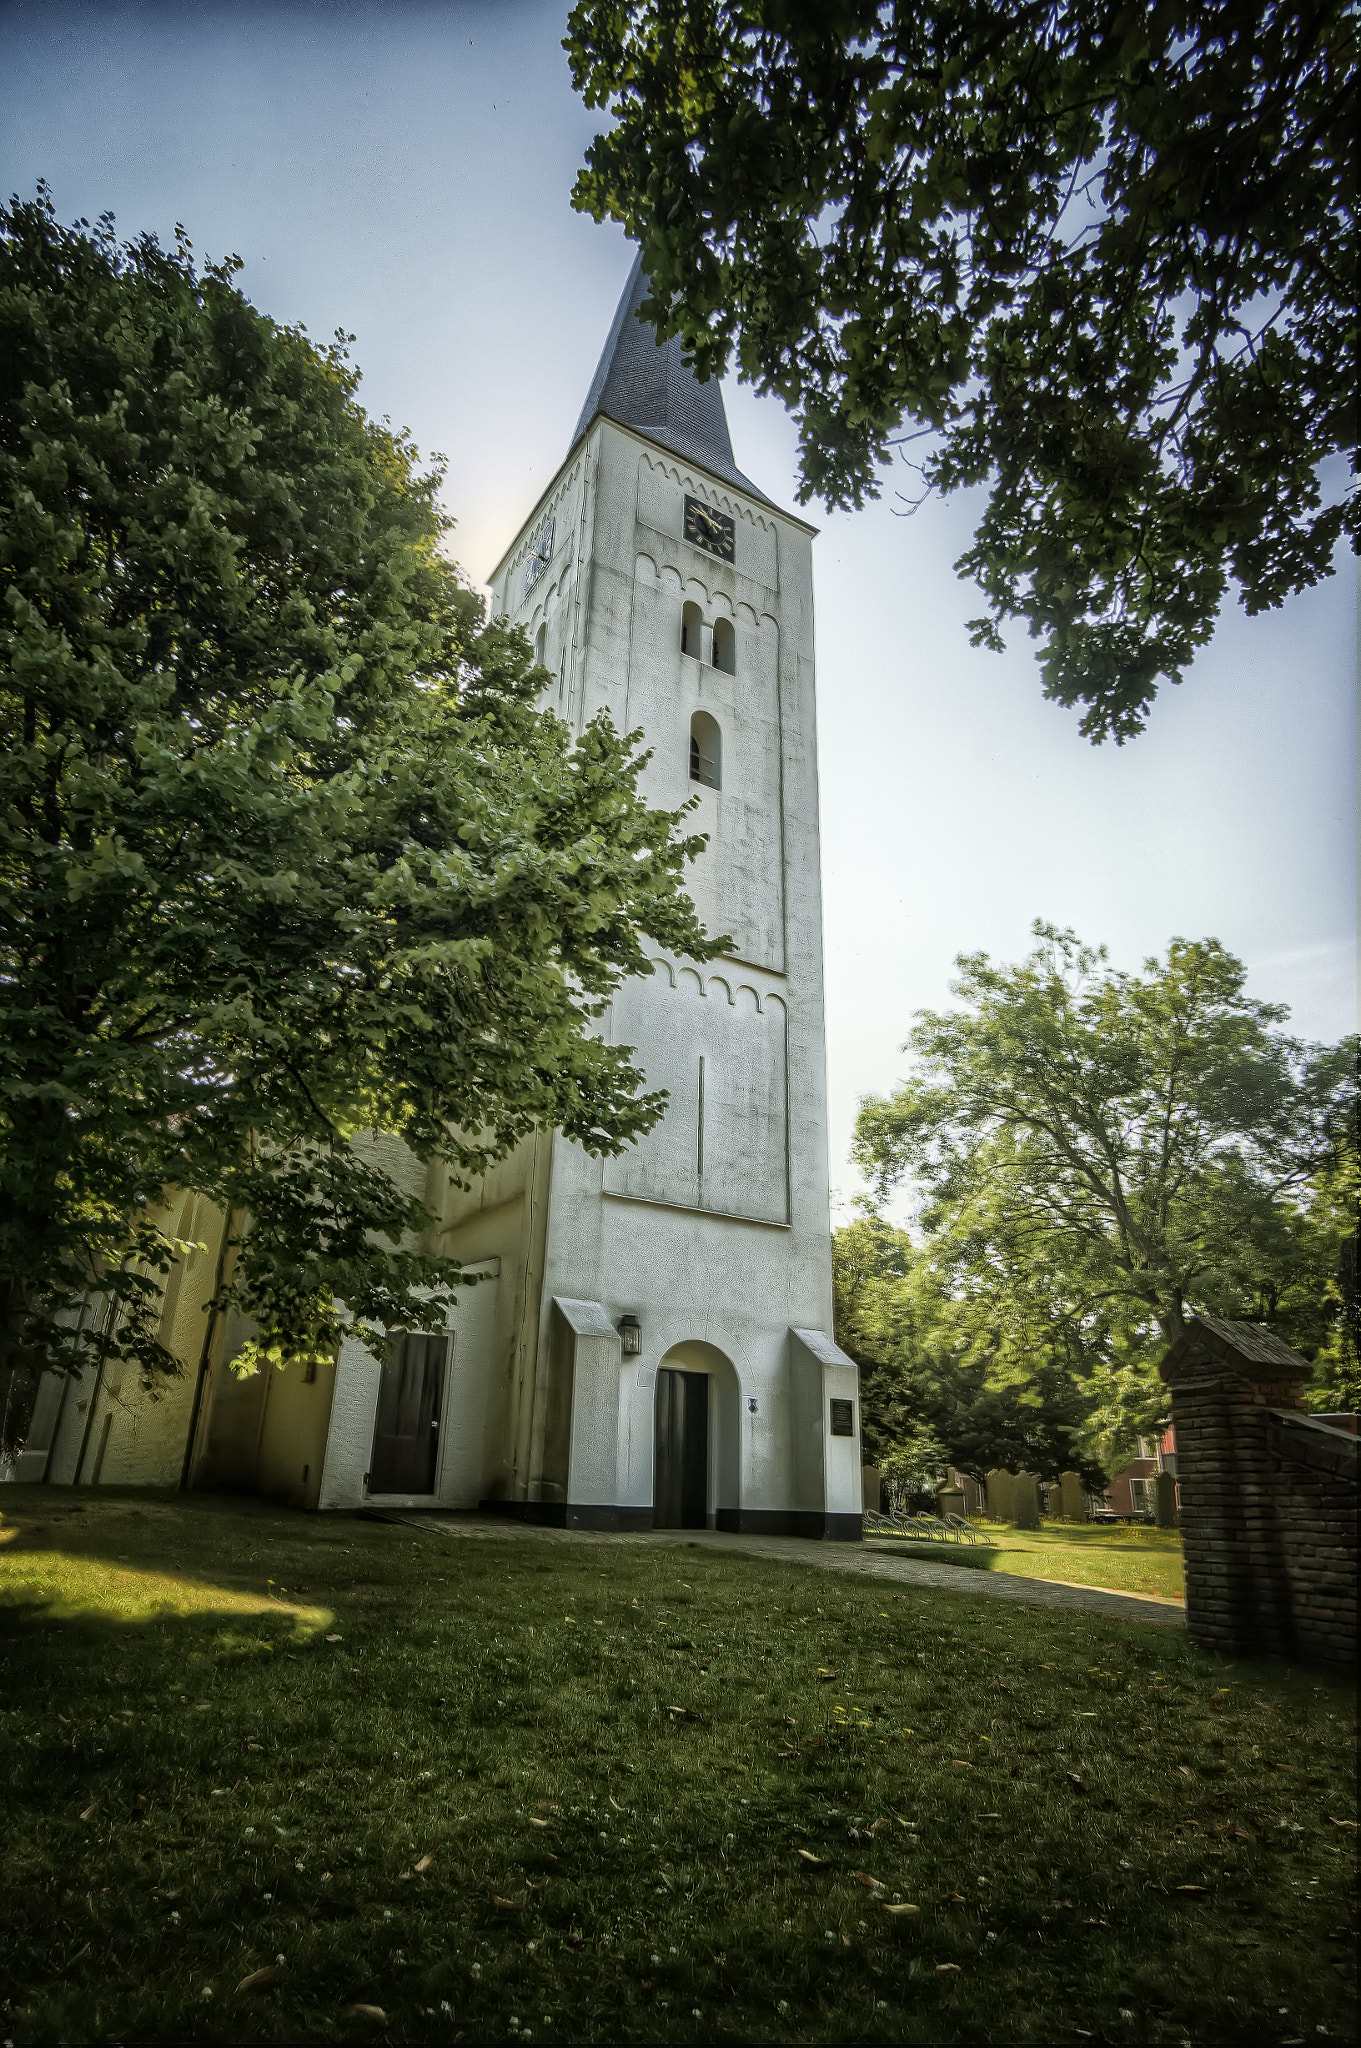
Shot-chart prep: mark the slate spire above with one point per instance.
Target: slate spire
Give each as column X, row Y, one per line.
column 642, row 383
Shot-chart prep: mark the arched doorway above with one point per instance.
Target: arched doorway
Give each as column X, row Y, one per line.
column 695, row 1438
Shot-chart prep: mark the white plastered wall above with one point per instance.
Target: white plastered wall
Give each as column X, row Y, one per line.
column 460, row 1476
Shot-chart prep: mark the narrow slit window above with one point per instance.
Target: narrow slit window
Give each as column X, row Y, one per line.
column 706, row 751
column 725, row 646
column 692, row 630
column 541, row 644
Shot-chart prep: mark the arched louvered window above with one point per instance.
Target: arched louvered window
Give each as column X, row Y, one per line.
column 706, row 751
column 692, row 630
column 725, row 646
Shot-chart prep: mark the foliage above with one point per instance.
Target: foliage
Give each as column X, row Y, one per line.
column 287, row 857
column 1097, row 258
column 934, row 1392
column 1096, row 1155
column 275, row 1791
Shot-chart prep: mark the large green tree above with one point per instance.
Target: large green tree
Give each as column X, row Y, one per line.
column 1096, row 257
column 1097, row 1154
column 287, row 855
column 937, row 1387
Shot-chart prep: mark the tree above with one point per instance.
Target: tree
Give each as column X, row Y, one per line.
column 1098, row 1153
column 1099, row 258
column 287, row 856
column 938, row 1386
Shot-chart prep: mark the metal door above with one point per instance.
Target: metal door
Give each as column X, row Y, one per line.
column 406, row 1431
column 680, row 1489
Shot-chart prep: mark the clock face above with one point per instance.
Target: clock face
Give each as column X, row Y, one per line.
column 540, row 548
column 710, row 530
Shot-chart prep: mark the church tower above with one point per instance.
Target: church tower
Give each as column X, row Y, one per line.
column 664, row 1352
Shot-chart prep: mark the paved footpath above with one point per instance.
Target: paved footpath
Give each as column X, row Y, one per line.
column 863, row 1560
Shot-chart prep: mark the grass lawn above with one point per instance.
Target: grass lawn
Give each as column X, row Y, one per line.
column 273, row 1777
column 1125, row 1559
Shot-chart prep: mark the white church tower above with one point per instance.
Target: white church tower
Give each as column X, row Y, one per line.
column 668, row 1312
column 650, row 1341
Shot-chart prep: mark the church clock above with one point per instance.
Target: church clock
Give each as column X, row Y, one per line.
column 540, row 548
column 713, row 531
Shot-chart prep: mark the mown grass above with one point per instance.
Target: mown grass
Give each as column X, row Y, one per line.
column 1126, row 1559
column 592, row 1793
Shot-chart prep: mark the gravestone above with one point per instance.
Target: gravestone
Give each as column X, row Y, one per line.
column 1073, row 1497
column 1025, row 1512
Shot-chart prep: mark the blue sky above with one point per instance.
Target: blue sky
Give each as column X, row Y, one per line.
column 402, row 171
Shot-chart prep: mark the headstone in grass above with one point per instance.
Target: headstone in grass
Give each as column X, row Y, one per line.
column 1001, row 1486
column 1025, row 1511
column 1073, row 1496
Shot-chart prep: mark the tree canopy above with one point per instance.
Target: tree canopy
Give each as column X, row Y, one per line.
column 287, row 855
column 1096, row 1154
column 930, row 1396
column 1096, row 258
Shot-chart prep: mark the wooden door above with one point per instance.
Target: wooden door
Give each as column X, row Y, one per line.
column 406, row 1430
column 680, row 1485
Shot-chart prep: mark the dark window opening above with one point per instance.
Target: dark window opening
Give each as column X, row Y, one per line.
column 706, row 751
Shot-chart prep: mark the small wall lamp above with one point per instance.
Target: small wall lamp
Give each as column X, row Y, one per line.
column 631, row 1336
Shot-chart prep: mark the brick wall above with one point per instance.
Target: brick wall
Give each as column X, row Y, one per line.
column 1313, row 1469
column 1268, row 1498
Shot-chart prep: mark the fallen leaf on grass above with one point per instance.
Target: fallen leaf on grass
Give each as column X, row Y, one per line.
column 340, row 1639
column 961, row 1763
column 508, row 1905
column 898, row 1912
column 826, row 1677
column 258, row 1977
column 875, row 1883
column 958, row 1899
column 684, row 1713
column 367, row 2012
column 947, row 1969
column 424, row 1862
column 538, row 1887
column 94, row 1803
column 1183, row 1772
column 786, row 1749
column 790, row 1722
column 813, row 1862
column 1336, row 1823
column 178, row 1893
column 1197, row 1891
column 535, row 1822
column 1078, row 1784
column 615, row 1804
column 1096, row 1923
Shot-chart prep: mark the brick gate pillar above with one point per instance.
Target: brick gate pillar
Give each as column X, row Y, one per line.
column 1224, row 1378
